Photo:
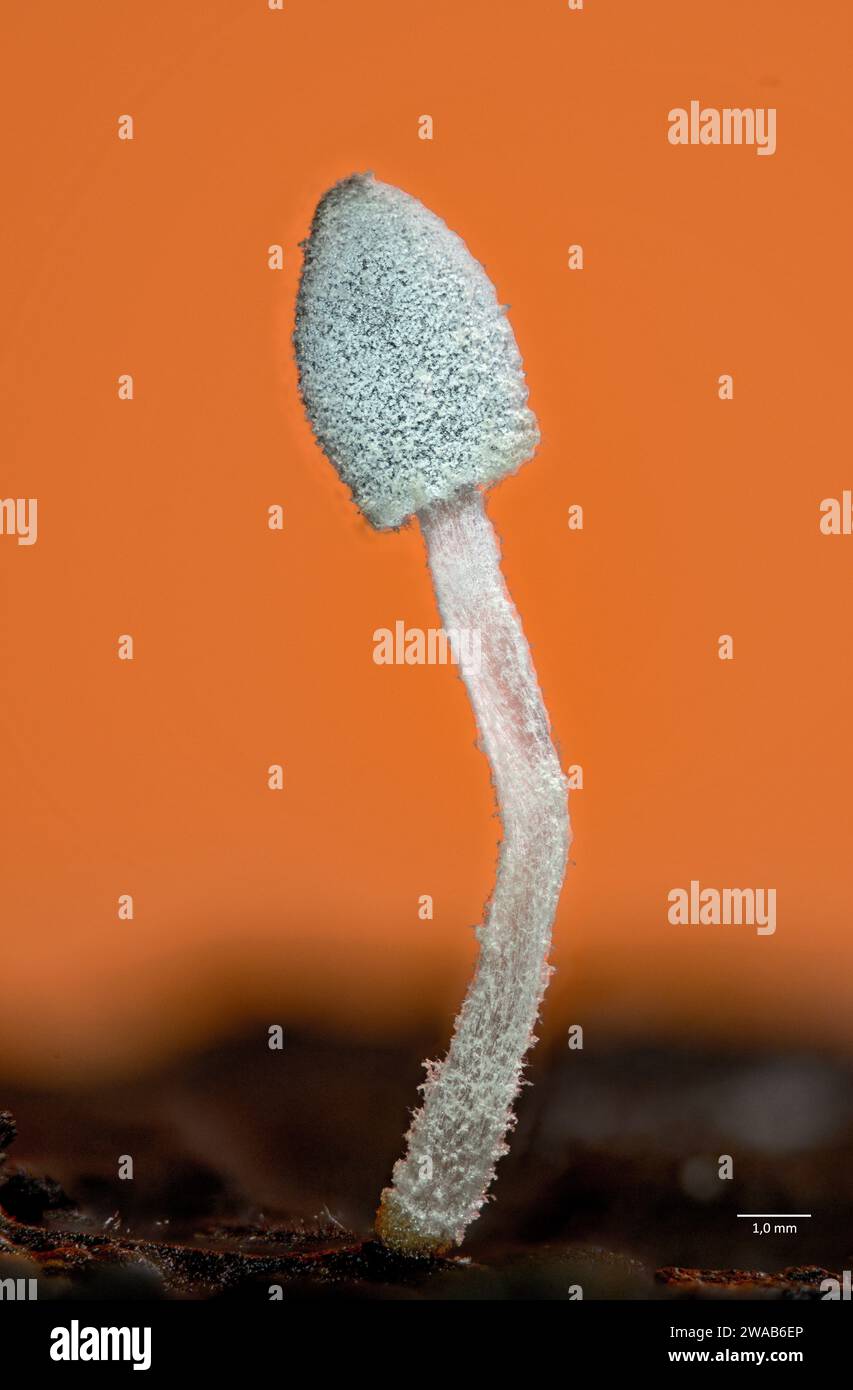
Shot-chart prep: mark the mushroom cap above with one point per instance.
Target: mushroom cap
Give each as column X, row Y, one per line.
column 408, row 366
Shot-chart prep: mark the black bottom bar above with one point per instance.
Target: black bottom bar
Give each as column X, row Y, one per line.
column 227, row 1337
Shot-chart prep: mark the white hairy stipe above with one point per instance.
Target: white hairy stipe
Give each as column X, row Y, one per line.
column 408, row 366
column 459, row 1133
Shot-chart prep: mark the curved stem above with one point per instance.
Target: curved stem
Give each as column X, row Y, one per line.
column 459, row 1133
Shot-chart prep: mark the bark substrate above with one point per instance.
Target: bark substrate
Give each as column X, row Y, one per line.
column 79, row 1263
column 614, row 1152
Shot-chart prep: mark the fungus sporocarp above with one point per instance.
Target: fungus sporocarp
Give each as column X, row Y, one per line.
column 415, row 389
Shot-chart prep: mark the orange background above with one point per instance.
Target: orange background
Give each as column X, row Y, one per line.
column 254, row 647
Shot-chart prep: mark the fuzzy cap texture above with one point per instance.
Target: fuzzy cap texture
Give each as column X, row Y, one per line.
column 408, row 366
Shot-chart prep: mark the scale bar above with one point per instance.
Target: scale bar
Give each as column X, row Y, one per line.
column 802, row 1215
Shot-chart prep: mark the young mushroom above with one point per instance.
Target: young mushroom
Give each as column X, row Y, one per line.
column 415, row 390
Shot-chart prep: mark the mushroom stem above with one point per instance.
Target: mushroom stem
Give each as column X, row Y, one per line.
column 459, row 1132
